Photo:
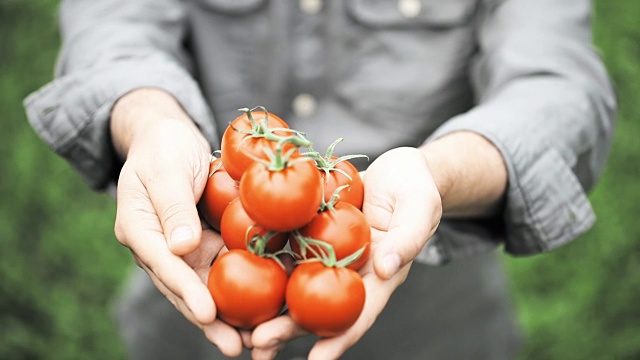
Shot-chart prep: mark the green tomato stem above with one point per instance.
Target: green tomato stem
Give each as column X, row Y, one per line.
column 325, row 164
column 333, row 200
column 326, row 255
column 262, row 130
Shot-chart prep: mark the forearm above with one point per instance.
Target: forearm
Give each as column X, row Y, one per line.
column 109, row 49
column 139, row 109
column 469, row 173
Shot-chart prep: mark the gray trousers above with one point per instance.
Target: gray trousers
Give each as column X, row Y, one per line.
column 457, row 311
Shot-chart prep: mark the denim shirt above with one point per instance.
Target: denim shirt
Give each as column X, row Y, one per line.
column 381, row 73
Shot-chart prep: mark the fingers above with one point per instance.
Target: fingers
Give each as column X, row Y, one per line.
column 170, row 189
column 378, row 292
column 173, row 298
column 200, row 260
column 412, row 224
column 164, row 175
column 404, row 203
column 171, row 272
column 225, row 337
column 265, row 353
column 245, row 335
column 171, row 162
column 137, row 227
column 275, row 331
column 268, row 338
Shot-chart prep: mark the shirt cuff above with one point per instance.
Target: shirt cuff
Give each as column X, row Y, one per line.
column 546, row 205
column 71, row 114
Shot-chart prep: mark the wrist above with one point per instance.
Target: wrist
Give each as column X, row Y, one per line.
column 469, row 172
column 442, row 170
column 134, row 112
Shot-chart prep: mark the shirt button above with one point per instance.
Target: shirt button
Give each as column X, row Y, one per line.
column 304, row 105
column 310, row 7
column 410, row 8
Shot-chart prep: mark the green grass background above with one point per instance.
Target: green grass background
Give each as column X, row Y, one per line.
column 60, row 266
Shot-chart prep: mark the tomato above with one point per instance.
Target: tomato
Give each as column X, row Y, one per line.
column 353, row 194
column 218, row 193
column 282, row 200
column 238, row 228
column 239, row 149
column 325, row 300
column 247, row 289
column 345, row 228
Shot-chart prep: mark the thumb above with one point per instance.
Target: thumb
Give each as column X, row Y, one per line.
column 172, row 195
column 412, row 223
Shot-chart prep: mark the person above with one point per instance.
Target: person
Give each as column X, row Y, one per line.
column 486, row 122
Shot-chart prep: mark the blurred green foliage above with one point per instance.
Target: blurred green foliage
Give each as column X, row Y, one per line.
column 60, row 266
column 59, row 263
column 582, row 301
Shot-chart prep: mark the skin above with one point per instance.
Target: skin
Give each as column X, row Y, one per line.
column 400, row 225
column 163, row 149
column 407, row 191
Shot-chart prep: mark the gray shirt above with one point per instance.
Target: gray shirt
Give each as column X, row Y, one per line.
column 381, row 73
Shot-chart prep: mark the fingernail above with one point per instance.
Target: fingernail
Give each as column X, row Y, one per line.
column 391, row 263
column 180, row 235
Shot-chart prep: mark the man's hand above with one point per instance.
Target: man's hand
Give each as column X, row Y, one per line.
column 166, row 168
column 403, row 207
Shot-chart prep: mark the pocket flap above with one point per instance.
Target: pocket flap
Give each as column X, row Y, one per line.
column 233, row 7
column 411, row 13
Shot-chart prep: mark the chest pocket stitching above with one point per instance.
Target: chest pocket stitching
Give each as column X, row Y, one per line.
column 430, row 13
column 232, row 7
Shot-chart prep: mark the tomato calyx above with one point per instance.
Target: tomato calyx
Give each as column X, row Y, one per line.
column 323, row 252
column 335, row 197
column 277, row 160
column 328, row 161
column 257, row 245
column 262, row 130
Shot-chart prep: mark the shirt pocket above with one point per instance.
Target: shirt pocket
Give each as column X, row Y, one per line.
column 407, row 64
column 232, row 7
column 411, row 13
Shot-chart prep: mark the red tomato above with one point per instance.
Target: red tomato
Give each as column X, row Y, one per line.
column 218, row 193
column 247, row 289
column 354, row 194
column 238, row 228
column 239, row 149
column 282, row 200
column 325, row 300
column 345, row 228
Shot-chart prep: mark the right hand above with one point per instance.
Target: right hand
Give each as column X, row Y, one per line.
column 166, row 168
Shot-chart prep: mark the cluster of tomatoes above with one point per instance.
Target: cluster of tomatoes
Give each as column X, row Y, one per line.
column 264, row 192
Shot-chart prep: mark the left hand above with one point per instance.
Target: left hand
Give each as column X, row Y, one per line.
column 403, row 207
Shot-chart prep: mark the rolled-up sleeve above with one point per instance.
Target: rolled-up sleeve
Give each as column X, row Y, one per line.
column 545, row 101
column 110, row 48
